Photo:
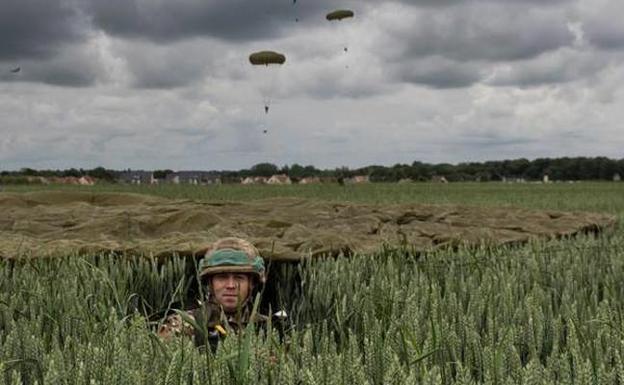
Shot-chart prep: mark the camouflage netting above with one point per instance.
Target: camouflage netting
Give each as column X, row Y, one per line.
column 55, row 223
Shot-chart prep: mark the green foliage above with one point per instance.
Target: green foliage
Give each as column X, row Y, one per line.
column 547, row 312
column 586, row 196
column 264, row 169
column 17, row 180
column 561, row 169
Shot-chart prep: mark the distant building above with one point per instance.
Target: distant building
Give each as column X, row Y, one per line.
column 545, row 179
column 310, row 180
column 86, row 180
column 193, row 177
column 38, row 179
column 254, row 180
column 617, row 177
column 279, row 179
column 357, row 179
column 439, row 179
column 136, row 177
column 172, row 178
column 513, row 180
column 405, row 180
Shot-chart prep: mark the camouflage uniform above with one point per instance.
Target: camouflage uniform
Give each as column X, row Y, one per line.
column 228, row 255
column 217, row 324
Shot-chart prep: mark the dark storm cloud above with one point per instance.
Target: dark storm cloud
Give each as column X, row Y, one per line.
column 559, row 67
column 460, row 44
column 446, row 3
column 484, row 31
column 493, row 140
column 74, row 66
column 238, row 20
column 234, row 20
column 601, row 25
column 437, row 72
column 606, row 35
column 164, row 67
column 64, row 76
column 36, row 28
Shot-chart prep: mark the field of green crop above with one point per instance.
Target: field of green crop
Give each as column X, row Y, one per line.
column 587, row 196
column 549, row 312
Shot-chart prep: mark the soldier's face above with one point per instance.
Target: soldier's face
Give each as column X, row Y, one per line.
column 231, row 289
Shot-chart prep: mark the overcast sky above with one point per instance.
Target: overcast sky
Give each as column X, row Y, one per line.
column 149, row 84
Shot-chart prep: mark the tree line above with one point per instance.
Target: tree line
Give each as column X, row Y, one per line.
column 566, row 168
column 578, row 168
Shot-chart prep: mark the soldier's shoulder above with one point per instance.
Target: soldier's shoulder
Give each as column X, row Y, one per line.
column 176, row 324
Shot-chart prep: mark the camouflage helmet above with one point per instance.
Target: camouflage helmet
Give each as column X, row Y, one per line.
column 232, row 255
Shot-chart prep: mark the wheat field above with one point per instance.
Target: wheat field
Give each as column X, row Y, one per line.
column 547, row 312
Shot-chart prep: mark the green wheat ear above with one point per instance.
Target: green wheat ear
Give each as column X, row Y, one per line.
column 526, row 315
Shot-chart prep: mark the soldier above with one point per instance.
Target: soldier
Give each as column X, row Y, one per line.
column 230, row 273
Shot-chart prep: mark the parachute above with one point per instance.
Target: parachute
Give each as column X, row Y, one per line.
column 339, row 15
column 16, row 70
column 266, row 58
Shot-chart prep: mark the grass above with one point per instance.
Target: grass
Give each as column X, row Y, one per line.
column 547, row 312
column 586, row 196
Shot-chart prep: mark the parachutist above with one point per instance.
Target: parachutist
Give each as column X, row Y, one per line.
column 338, row 16
column 267, row 59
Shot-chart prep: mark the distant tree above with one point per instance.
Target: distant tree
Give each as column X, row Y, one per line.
column 518, row 167
column 310, row 170
column 342, row 173
column 162, row 174
column 493, row 169
column 231, row 176
column 606, row 168
column 483, row 176
column 538, row 168
column 28, row 172
column 102, row 174
column 264, row 169
column 400, row 171
column 443, row 169
column 380, row 174
column 420, row 171
column 620, row 167
column 558, row 169
column 296, row 171
column 469, row 171
column 71, row 172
